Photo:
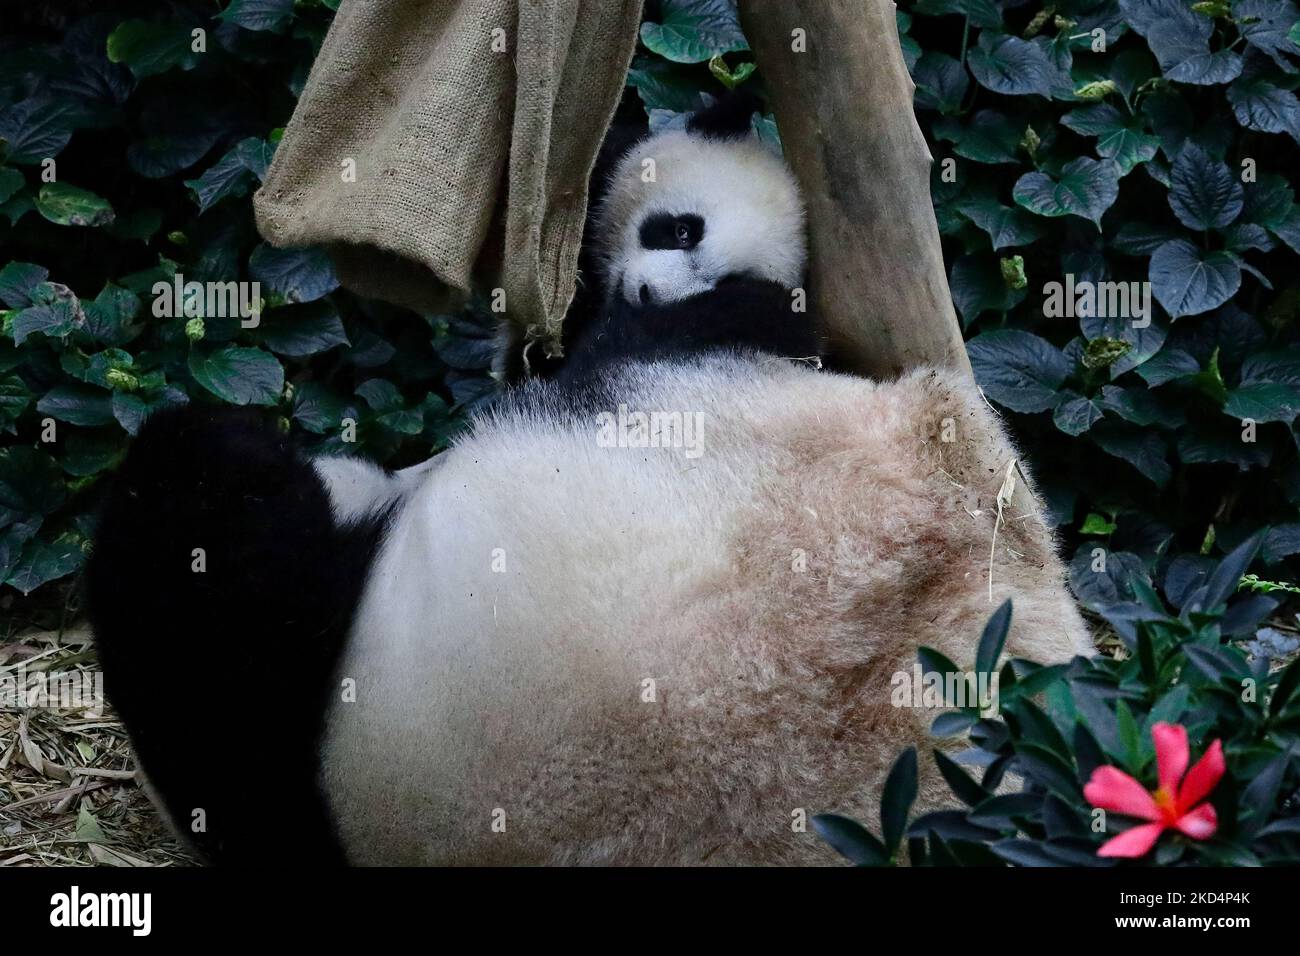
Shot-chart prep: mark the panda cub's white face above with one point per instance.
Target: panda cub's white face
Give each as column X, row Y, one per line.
column 684, row 211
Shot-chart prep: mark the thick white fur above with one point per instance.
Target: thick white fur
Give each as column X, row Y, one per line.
column 517, row 692
column 747, row 196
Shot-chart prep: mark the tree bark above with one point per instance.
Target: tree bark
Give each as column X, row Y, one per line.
column 844, row 108
column 843, row 104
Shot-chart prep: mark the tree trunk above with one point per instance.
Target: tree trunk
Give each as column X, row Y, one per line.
column 842, row 95
column 843, row 102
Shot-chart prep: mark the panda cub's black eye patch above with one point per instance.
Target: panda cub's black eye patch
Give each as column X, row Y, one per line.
column 666, row 231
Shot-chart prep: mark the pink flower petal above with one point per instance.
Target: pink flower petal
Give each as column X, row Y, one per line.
column 1113, row 789
column 1133, row 843
column 1202, row 778
column 1172, row 755
column 1200, row 824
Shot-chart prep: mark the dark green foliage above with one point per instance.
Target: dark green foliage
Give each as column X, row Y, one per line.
column 128, row 157
column 1182, row 667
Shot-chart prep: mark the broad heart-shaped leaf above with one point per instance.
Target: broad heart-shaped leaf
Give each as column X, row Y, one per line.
column 1270, row 388
column 11, row 180
column 1006, row 226
column 44, row 561
column 1018, row 369
column 941, row 82
column 149, row 47
column 1268, row 200
column 982, row 13
column 1010, row 65
column 69, row 206
column 989, row 137
column 1142, row 448
column 1076, row 413
column 1180, row 39
column 109, row 315
column 1086, row 188
column 1262, row 105
column 664, row 85
column 1203, row 192
column 273, row 15
column 850, row 839
column 78, row 404
column 31, row 482
column 300, row 330
column 297, row 275
column 1100, row 577
column 17, row 282
column 1120, row 137
column 978, row 287
column 1187, row 281
column 36, row 128
column 897, row 798
column 238, row 375
column 1265, row 24
column 694, row 31
column 233, row 174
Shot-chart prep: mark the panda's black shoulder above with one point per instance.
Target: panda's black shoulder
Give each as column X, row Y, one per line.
column 739, row 314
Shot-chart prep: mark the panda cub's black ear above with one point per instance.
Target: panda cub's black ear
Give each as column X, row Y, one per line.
column 728, row 117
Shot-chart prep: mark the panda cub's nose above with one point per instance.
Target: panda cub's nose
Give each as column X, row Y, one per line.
column 645, row 294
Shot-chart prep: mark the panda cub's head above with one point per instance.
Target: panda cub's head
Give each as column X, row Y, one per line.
column 687, row 209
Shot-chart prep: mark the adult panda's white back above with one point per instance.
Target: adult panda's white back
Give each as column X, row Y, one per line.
column 769, row 588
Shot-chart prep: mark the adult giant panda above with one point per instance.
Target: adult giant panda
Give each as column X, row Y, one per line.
column 649, row 611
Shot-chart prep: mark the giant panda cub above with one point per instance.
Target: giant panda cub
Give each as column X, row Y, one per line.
column 648, row 611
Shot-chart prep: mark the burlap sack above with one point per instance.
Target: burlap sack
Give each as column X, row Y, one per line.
column 471, row 127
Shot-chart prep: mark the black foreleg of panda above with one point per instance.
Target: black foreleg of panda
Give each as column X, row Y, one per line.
column 740, row 313
column 220, row 592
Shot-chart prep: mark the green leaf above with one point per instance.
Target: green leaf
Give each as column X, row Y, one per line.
column 381, row 395
column 53, row 319
column 1120, row 137
column 664, row 85
column 1180, row 39
column 941, row 82
column 959, row 781
column 234, row 174
column 108, row 317
column 240, row 376
column 850, row 839
column 67, row 205
column 1144, row 450
column 319, row 410
column 302, row 330
column 1006, row 226
column 1076, row 413
column 694, row 31
column 1096, row 524
column 272, row 15
column 17, row 282
column 1187, row 281
column 44, row 561
column 978, row 287
column 1260, row 104
column 1086, row 188
column 149, row 47
column 36, row 129
column 296, row 275
column 1203, row 192
column 11, row 180
column 31, row 482
column 1265, row 25
column 1018, row 369
column 1009, row 65
column 897, row 798
column 993, row 639
column 989, row 137
column 78, row 405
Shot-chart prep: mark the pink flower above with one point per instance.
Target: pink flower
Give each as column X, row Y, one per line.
column 1171, row 807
